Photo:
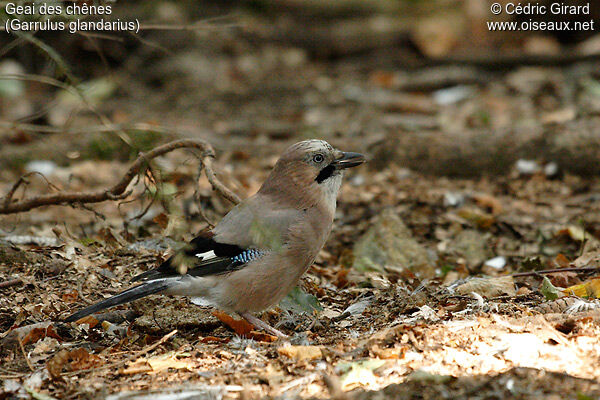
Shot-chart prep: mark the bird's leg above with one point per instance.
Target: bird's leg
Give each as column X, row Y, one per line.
column 263, row 325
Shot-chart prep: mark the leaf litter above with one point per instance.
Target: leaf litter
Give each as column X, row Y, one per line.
column 375, row 329
column 416, row 292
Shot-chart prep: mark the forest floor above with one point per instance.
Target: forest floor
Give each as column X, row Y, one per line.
column 417, row 293
column 372, row 328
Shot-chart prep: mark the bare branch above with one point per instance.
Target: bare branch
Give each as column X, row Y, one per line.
column 23, row 180
column 215, row 183
column 13, row 189
column 556, row 270
column 119, row 190
column 9, row 283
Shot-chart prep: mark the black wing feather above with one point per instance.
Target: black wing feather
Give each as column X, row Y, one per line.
column 202, row 244
column 224, row 262
column 228, row 258
column 136, row 292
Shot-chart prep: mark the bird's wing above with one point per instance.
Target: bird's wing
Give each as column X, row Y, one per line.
column 251, row 229
column 258, row 222
column 203, row 256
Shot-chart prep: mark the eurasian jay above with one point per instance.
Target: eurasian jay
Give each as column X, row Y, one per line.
column 257, row 253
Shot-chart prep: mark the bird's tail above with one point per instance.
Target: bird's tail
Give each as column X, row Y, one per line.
column 136, row 292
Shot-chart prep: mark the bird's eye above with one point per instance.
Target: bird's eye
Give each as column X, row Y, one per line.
column 318, row 158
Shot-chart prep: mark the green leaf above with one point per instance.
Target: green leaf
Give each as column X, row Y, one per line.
column 550, row 291
column 582, row 396
column 37, row 395
column 358, row 373
column 299, row 301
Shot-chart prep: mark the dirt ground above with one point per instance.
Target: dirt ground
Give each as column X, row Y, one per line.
column 427, row 287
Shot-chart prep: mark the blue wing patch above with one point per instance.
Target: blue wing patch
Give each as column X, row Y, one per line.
column 247, row 256
column 213, row 258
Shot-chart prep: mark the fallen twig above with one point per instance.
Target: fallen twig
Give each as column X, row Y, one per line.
column 216, row 184
column 119, row 190
column 13, row 189
column 23, row 180
column 25, row 356
column 556, row 270
column 151, row 347
column 9, row 283
column 132, row 357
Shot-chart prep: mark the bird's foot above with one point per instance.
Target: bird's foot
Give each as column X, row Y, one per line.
column 263, row 325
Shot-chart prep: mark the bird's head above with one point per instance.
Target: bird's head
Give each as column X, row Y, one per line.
column 311, row 167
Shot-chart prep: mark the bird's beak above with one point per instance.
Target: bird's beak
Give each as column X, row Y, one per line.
column 348, row 160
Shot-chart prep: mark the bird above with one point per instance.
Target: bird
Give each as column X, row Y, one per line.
column 260, row 249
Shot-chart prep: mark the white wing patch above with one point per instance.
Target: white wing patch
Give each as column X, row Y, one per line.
column 201, row 301
column 207, row 255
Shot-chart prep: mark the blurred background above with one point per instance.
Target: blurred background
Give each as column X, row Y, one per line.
column 484, row 150
column 424, row 84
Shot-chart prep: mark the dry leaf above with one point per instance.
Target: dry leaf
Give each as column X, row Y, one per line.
column 590, row 256
column 300, row 353
column 565, row 278
column 39, row 333
column 261, row 337
column 111, row 238
column 243, row 328
column 169, row 361
column 383, row 78
column 488, row 202
column 90, row 320
column 162, row 220
column 575, row 233
column 479, row 219
column 56, row 363
column 82, row 359
column 590, row 288
column 74, row 360
column 157, row 364
column 50, row 332
column 392, row 353
column 239, row 326
column 562, row 261
column 341, row 278
column 489, row 287
column 70, row 297
column 137, row 367
column 34, row 335
column 359, row 373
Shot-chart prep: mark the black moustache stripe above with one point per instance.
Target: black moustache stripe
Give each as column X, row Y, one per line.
column 325, row 173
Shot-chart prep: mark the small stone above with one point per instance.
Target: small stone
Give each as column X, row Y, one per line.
column 527, row 167
column 43, row 167
column 452, row 95
column 551, row 169
column 389, row 245
column 453, row 199
column 496, row 262
column 471, row 245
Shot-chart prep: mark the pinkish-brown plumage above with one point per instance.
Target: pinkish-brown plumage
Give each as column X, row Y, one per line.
column 261, row 248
